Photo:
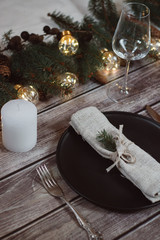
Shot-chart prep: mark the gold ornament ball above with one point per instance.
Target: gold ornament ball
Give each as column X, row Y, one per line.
column 68, row 45
column 67, row 81
column 28, row 93
column 110, row 60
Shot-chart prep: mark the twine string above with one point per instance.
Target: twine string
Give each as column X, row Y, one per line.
column 122, row 151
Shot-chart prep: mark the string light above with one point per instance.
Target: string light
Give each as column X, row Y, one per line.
column 68, row 45
column 110, row 60
column 67, row 82
column 28, row 93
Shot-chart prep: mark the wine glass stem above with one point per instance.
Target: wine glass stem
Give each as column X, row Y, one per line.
column 125, row 88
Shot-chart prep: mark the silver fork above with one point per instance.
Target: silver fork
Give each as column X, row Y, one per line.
column 55, row 190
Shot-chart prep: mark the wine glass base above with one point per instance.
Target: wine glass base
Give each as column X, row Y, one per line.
column 117, row 93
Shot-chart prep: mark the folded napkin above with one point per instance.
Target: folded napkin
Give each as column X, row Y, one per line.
column 133, row 162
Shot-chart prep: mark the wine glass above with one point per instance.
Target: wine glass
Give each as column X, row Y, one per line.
column 131, row 41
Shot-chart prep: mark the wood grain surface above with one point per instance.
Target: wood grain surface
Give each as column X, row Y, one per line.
column 28, row 212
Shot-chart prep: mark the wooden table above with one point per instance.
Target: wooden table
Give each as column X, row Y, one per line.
column 28, row 212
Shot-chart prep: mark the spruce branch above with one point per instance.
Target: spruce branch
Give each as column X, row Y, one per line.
column 106, row 140
column 7, row 36
column 63, row 21
column 34, row 61
column 7, row 91
column 105, row 12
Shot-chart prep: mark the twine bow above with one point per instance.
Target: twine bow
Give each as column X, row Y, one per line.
column 122, row 151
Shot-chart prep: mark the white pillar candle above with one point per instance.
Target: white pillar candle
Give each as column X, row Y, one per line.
column 19, row 125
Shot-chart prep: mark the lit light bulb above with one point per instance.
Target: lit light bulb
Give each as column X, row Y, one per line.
column 67, row 81
column 110, row 60
column 68, row 45
column 28, row 93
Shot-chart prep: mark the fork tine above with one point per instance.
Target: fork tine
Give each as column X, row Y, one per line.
column 50, row 176
column 46, row 177
column 55, row 190
column 45, row 180
column 40, row 174
column 49, row 182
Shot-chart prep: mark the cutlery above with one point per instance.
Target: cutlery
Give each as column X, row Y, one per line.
column 153, row 113
column 55, row 190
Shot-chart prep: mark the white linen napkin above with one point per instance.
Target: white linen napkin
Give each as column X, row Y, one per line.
column 132, row 161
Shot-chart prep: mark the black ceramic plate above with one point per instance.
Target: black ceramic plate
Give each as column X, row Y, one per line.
column 84, row 170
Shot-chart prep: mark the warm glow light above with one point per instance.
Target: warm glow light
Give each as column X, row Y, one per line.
column 68, row 45
column 110, row 60
column 28, row 93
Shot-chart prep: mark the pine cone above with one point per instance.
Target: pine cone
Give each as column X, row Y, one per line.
column 46, row 29
column 54, row 31
column 16, row 39
column 15, row 43
column 5, row 71
column 35, row 38
column 25, row 35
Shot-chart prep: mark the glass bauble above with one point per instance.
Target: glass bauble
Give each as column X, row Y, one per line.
column 28, row 93
column 67, row 81
column 110, row 60
column 68, row 45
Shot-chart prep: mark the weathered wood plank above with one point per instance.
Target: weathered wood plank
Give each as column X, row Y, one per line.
column 62, row 225
column 53, row 122
column 36, row 215
column 23, row 199
column 149, row 230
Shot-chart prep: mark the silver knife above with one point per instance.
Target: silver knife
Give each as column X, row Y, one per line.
column 153, row 113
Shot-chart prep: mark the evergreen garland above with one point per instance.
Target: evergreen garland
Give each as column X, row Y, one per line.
column 7, row 92
column 37, row 62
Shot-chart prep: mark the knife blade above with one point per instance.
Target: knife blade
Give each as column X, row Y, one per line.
column 153, row 113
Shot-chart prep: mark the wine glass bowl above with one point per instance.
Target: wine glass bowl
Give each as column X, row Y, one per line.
column 131, row 41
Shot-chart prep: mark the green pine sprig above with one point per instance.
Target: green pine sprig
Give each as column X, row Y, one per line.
column 37, row 62
column 64, row 21
column 7, row 92
column 107, row 140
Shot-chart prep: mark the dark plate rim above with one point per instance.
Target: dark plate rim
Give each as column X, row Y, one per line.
column 136, row 115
